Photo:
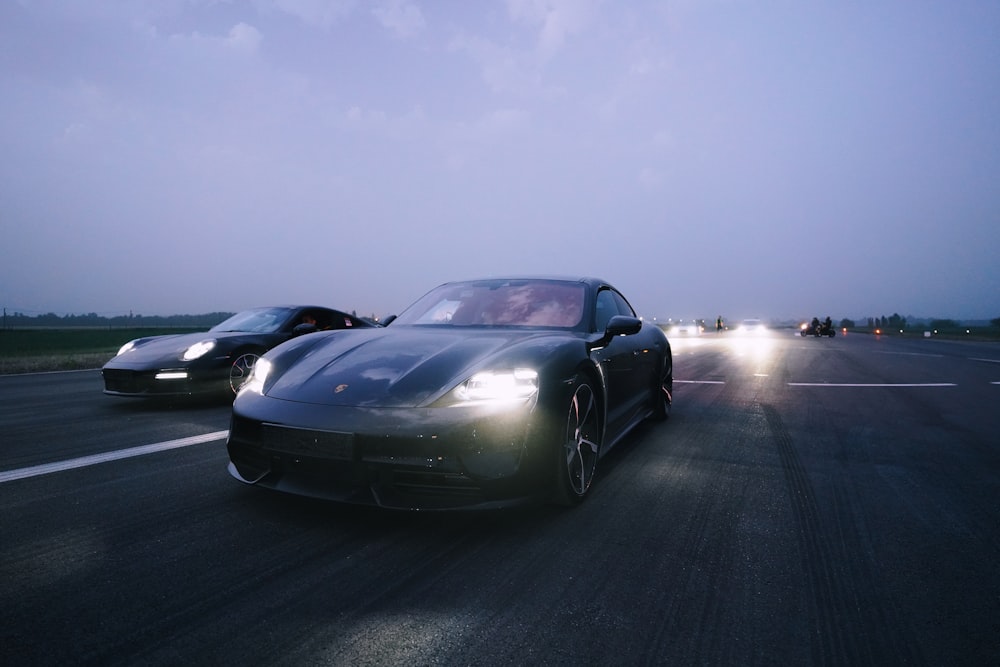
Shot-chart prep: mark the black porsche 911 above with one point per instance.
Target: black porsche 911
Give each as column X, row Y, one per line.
column 216, row 361
column 481, row 394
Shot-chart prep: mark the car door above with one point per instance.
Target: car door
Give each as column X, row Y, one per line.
column 620, row 363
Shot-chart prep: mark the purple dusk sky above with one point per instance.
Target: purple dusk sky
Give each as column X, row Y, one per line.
column 768, row 159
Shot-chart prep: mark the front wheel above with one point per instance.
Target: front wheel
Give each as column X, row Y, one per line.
column 663, row 392
column 581, row 445
column 241, row 369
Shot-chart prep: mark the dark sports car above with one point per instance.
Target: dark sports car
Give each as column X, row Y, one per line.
column 481, row 394
column 216, row 361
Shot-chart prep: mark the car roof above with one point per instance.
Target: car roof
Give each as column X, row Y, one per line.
column 588, row 280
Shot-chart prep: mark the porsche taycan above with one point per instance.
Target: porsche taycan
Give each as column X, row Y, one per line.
column 487, row 393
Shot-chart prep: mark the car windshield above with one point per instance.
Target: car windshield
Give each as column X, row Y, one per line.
column 508, row 303
column 258, row 320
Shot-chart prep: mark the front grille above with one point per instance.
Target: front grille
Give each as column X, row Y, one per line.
column 125, row 381
column 400, row 472
column 435, row 484
column 329, row 445
column 244, row 448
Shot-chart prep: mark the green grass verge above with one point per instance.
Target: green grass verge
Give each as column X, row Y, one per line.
column 40, row 350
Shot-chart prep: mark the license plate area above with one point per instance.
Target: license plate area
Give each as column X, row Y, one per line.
column 331, row 445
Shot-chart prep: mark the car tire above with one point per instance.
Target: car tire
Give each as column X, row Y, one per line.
column 241, row 368
column 663, row 392
column 579, row 446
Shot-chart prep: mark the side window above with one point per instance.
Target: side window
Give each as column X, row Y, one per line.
column 623, row 307
column 607, row 307
column 338, row 321
column 327, row 319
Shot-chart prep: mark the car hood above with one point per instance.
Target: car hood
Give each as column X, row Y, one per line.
column 172, row 346
column 403, row 367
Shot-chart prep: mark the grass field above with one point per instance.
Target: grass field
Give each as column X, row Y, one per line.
column 38, row 350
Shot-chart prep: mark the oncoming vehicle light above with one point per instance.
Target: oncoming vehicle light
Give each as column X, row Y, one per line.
column 198, row 350
column 172, row 375
column 513, row 385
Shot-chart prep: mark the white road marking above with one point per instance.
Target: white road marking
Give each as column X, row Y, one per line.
column 911, row 354
column 872, row 384
column 83, row 461
column 75, row 370
column 699, row 382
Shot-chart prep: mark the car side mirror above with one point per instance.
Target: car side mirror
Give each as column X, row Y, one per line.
column 304, row 328
column 622, row 325
column 619, row 325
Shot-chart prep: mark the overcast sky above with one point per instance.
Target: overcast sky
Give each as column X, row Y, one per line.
column 776, row 159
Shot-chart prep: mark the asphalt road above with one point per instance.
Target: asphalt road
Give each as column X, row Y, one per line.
column 810, row 502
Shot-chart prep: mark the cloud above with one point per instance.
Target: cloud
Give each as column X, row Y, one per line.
column 402, row 18
column 514, row 60
column 556, row 20
column 320, row 13
column 243, row 37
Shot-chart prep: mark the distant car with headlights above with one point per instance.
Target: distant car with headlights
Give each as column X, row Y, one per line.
column 482, row 394
column 217, row 361
column 751, row 326
column 682, row 328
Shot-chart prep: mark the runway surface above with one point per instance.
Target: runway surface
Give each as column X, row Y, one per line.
column 810, row 502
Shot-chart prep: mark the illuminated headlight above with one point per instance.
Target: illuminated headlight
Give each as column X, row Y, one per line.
column 492, row 386
column 126, row 347
column 198, row 350
column 261, row 369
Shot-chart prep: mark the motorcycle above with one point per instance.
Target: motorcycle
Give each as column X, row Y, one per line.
column 818, row 329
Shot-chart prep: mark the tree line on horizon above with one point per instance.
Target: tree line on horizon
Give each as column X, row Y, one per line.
column 130, row 321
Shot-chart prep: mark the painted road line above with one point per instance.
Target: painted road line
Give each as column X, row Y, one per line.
column 699, row 382
column 911, row 354
column 75, row 370
column 84, row 461
column 872, row 384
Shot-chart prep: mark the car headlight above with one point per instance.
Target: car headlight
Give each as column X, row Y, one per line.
column 198, row 350
column 261, row 369
column 126, row 347
column 518, row 384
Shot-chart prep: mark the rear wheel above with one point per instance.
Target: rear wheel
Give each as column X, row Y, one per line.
column 580, row 446
column 241, row 369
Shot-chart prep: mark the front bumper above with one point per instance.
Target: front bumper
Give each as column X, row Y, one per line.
column 414, row 458
column 137, row 382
